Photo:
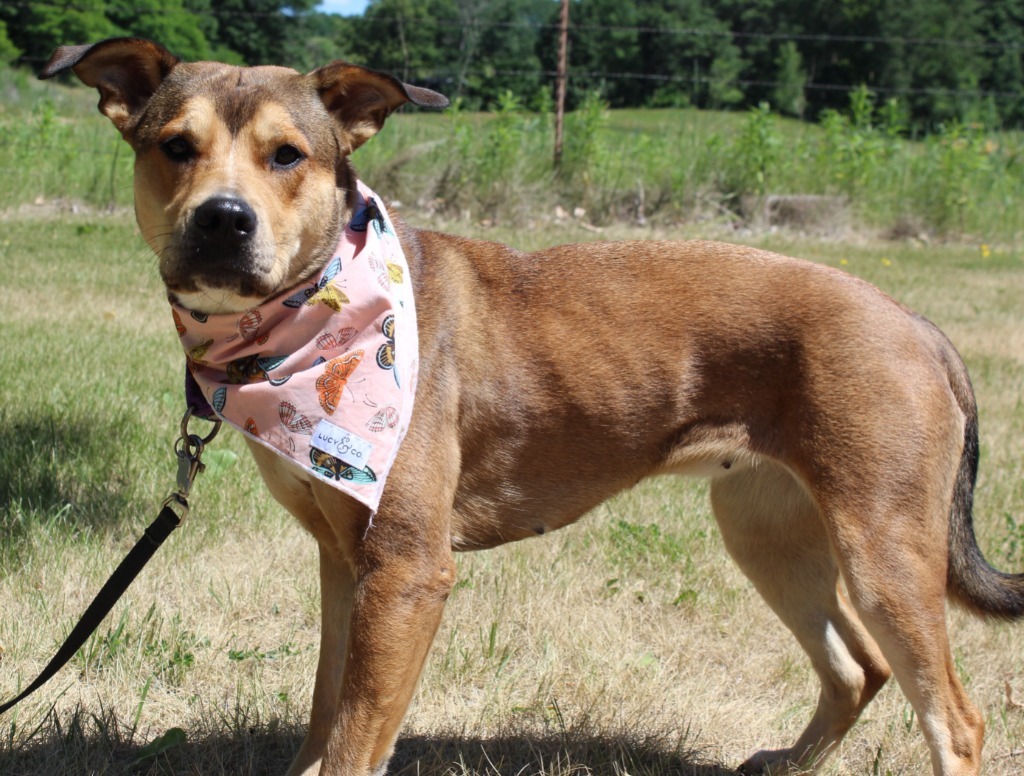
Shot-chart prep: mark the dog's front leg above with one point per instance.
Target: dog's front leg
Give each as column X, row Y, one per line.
column 397, row 603
column 337, row 590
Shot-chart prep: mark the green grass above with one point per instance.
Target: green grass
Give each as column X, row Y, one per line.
column 54, row 145
column 626, row 643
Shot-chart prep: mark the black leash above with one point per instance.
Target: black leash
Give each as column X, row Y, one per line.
column 188, row 449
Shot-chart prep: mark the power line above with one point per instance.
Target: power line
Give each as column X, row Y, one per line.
column 441, row 75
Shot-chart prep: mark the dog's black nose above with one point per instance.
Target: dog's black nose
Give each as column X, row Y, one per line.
column 228, row 220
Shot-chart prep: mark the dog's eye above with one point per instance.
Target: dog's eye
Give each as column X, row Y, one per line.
column 287, row 156
column 177, row 149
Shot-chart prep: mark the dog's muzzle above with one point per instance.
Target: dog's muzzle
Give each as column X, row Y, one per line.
column 220, row 247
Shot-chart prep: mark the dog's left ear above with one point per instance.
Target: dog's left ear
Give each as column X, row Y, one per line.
column 361, row 99
column 126, row 71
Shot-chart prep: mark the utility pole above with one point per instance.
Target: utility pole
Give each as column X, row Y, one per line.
column 560, row 79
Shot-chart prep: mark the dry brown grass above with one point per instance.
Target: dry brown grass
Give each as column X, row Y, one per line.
column 626, row 644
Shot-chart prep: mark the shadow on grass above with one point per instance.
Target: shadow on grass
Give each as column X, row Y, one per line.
column 57, row 472
column 86, row 743
column 522, row 752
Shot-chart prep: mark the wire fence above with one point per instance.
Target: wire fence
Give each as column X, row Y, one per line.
column 592, row 75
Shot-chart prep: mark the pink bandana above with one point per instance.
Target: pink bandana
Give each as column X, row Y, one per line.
column 325, row 373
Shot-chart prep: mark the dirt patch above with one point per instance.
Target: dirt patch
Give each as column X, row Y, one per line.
column 49, row 208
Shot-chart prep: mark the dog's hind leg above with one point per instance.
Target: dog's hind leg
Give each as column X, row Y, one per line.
column 899, row 592
column 775, row 532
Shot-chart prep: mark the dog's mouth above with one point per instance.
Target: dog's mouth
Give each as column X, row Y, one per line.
column 213, row 300
column 216, row 284
column 240, row 274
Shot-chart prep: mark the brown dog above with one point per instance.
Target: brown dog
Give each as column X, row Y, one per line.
column 839, row 429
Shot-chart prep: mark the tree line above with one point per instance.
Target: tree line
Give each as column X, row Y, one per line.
column 940, row 60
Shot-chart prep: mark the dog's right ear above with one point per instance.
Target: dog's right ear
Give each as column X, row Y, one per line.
column 126, row 71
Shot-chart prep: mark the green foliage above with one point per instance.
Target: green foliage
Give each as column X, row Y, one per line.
column 788, row 95
column 472, row 49
column 854, row 147
column 1013, row 544
column 174, row 656
column 630, row 542
column 168, row 650
column 506, row 54
column 604, row 41
column 260, row 655
column 582, row 141
column 958, row 163
column 260, row 31
column 235, row 31
column 688, row 58
column 174, row 23
column 38, row 28
column 504, row 139
column 489, row 165
column 8, row 51
column 951, row 70
column 1002, row 28
column 403, row 37
column 756, row 151
column 723, row 88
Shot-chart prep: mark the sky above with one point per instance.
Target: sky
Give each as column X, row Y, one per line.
column 344, row 7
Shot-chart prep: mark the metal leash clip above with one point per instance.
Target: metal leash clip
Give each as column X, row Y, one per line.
column 188, row 449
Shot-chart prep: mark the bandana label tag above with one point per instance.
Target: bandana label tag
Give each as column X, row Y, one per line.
column 347, row 447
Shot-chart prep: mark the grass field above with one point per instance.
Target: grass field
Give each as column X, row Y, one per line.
column 627, row 644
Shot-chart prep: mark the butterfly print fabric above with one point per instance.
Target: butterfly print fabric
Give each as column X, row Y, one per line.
column 323, row 373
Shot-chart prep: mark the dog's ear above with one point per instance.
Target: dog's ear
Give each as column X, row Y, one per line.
column 361, row 99
column 126, row 71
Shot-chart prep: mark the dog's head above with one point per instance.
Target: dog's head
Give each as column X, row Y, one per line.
column 242, row 179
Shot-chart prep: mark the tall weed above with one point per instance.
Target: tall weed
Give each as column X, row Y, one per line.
column 854, row 149
column 492, row 163
column 756, row 149
column 753, row 156
column 957, row 165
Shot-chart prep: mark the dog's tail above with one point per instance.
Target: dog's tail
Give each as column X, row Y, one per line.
column 971, row 581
